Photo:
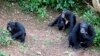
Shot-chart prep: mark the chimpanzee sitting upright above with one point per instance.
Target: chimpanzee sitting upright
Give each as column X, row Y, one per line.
column 64, row 20
column 17, row 31
column 82, row 35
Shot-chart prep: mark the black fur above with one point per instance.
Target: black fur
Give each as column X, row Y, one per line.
column 17, row 31
column 60, row 21
column 85, row 39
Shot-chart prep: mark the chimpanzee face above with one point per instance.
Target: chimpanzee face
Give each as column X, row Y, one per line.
column 83, row 28
column 11, row 26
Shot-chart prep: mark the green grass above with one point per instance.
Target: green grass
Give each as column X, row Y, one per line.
column 48, row 42
column 23, row 47
column 5, row 39
column 3, row 53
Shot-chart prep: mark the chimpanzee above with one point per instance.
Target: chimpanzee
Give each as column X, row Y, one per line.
column 64, row 20
column 82, row 35
column 17, row 31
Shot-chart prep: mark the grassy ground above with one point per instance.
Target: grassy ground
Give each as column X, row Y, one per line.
column 41, row 40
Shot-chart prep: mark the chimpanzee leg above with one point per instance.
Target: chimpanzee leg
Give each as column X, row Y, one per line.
column 74, row 36
column 73, row 41
column 22, row 38
column 72, row 22
column 70, row 41
column 76, row 44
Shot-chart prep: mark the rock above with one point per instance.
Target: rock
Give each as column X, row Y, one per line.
column 66, row 52
column 38, row 53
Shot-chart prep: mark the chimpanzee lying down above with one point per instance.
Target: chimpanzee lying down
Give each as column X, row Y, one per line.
column 82, row 35
column 17, row 31
column 64, row 20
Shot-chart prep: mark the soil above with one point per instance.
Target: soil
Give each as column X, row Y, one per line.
column 41, row 40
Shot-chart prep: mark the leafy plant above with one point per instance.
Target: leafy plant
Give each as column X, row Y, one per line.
column 42, row 12
column 91, row 17
column 35, row 6
column 97, row 38
column 4, row 39
column 2, row 53
column 40, row 6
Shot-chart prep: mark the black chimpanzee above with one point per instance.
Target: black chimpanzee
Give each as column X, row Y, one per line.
column 17, row 31
column 82, row 35
column 64, row 20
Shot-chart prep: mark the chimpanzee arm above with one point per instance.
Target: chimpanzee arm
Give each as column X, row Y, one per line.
column 74, row 34
column 17, row 34
column 91, row 31
column 55, row 21
column 76, row 28
column 71, row 20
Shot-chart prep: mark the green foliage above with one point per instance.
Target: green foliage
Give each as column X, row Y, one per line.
column 90, row 16
column 2, row 53
column 40, row 6
column 4, row 39
column 42, row 12
column 35, row 6
column 97, row 38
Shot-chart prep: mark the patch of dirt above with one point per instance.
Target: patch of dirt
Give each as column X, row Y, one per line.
column 41, row 40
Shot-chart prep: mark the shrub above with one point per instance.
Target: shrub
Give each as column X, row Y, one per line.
column 35, row 6
column 38, row 6
column 4, row 39
column 97, row 38
column 91, row 17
